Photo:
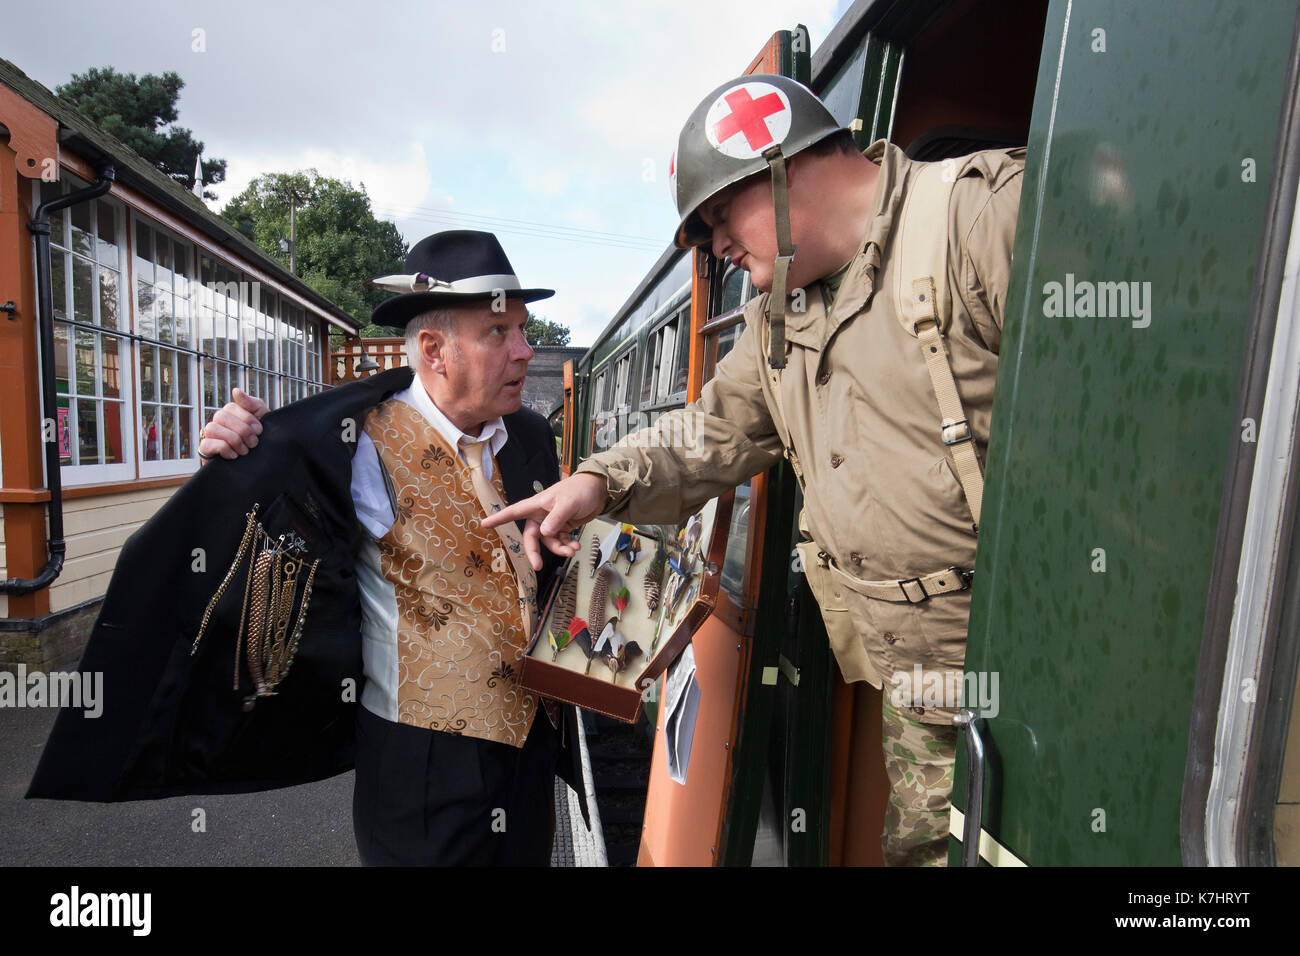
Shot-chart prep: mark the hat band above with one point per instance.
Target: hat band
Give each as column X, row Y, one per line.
column 420, row 282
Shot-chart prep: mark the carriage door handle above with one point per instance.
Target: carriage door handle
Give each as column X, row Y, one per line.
column 970, row 840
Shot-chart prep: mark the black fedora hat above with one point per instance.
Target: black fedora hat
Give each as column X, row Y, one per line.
column 450, row 268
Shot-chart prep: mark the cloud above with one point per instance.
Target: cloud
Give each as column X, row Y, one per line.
column 397, row 187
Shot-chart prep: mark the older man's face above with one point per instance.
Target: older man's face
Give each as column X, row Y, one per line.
column 489, row 359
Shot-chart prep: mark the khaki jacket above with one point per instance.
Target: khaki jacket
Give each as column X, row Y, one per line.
column 859, row 422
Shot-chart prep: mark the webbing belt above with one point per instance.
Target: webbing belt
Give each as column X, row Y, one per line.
column 905, row 590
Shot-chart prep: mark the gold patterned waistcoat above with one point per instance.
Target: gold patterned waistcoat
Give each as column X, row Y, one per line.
column 460, row 643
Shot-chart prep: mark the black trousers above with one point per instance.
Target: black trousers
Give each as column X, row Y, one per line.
column 429, row 798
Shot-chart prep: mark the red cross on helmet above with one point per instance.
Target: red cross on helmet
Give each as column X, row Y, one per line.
column 732, row 134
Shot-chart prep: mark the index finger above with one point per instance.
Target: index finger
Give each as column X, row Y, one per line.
column 250, row 402
column 530, row 508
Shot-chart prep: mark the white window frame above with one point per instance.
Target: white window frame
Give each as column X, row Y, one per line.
column 73, row 476
column 172, row 466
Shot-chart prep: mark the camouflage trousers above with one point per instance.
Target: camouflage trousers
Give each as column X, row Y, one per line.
column 919, row 760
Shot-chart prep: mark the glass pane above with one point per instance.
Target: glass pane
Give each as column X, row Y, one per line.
column 112, row 412
column 167, row 375
column 59, row 283
column 727, row 340
column 149, row 420
column 183, row 434
column 167, row 443
column 733, row 567
column 85, row 359
column 83, row 290
column 207, row 342
column 731, row 289
column 61, row 363
column 209, row 384
column 181, row 320
column 163, row 261
column 65, row 430
column 110, row 356
column 145, row 323
column 164, row 303
column 683, row 365
column 83, row 230
column 143, row 252
column 88, row 432
column 108, row 298
column 183, row 379
column 207, row 270
column 665, row 370
column 50, row 192
column 107, row 231
column 148, row 373
column 182, row 267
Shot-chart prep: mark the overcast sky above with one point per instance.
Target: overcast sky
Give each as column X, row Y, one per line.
column 548, row 123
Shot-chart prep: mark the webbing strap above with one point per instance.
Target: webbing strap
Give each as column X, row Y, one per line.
column 785, row 253
column 907, row 590
column 923, row 307
column 954, row 428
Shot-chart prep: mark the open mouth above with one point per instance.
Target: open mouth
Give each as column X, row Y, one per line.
column 515, row 383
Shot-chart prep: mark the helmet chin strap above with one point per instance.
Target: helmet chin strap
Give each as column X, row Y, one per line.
column 784, row 256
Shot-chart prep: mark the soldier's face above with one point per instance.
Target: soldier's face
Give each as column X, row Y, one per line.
column 482, row 365
column 744, row 227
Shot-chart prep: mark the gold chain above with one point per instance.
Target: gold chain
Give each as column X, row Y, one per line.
column 239, row 557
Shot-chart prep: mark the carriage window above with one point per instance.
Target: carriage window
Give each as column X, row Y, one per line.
column 717, row 345
column 733, row 566
column 622, row 380
column 651, row 367
column 598, row 394
column 683, row 351
column 733, row 288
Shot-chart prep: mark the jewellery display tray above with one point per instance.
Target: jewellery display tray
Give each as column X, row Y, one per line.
column 571, row 675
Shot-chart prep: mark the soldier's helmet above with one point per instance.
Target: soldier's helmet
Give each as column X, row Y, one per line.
column 733, row 133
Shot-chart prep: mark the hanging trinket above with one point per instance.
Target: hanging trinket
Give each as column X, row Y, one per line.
column 277, row 593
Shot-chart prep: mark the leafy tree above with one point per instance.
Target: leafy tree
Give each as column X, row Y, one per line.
column 133, row 110
column 341, row 245
column 540, row 331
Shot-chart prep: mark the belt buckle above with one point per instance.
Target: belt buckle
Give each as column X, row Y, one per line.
column 959, row 429
column 964, row 575
column 902, row 586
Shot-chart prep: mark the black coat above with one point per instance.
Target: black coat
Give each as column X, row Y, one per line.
column 171, row 723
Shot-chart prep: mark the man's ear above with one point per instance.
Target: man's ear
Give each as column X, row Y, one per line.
column 434, row 348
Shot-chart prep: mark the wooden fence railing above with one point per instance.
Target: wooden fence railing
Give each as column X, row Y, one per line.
column 343, row 361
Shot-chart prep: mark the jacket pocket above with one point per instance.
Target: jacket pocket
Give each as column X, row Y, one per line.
column 844, row 634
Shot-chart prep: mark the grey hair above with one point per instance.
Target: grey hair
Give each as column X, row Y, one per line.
column 439, row 319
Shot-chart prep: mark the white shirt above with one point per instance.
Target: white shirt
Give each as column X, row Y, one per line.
column 379, row 618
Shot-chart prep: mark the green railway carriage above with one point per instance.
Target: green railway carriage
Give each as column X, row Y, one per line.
column 1135, row 611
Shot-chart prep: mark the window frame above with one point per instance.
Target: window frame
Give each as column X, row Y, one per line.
column 168, row 467
column 74, row 475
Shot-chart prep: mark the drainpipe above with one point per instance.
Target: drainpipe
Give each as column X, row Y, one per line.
column 40, row 228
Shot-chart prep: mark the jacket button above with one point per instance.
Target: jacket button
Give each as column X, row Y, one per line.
column 824, row 377
column 855, row 558
column 836, row 461
column 889, row 637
